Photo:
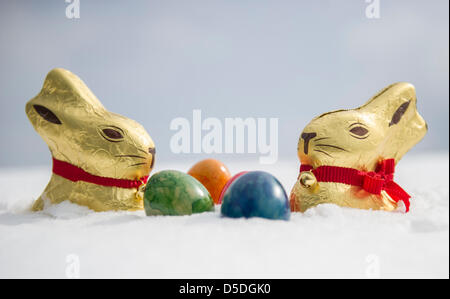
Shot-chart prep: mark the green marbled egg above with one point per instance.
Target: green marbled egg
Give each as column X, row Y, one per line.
column 172, row 192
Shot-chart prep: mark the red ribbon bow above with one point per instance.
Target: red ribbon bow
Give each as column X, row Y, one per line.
column 373, row 182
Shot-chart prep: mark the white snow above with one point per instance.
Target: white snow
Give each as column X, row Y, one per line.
column 327, row 241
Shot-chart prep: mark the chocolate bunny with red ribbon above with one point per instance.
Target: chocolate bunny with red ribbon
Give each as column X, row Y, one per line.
column 348, row 157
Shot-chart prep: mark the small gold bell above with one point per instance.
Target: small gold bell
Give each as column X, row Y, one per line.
column 308, row 180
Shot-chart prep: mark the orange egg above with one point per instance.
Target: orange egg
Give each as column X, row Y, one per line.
column 213, row 175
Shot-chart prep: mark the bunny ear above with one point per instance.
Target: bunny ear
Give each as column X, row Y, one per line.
column 63, row 98
column 395, row 111
column 394, row 103
column 61, row 85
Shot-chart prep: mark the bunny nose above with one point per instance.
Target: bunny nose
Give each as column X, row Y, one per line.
column 152, row 151
column 307, row 137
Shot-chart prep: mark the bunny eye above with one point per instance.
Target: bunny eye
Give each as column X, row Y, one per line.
column 113, row 134
column 359, row 131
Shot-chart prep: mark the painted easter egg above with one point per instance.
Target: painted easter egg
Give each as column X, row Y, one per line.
column 172, row 192
column 213, row 175
column 230, row 181
column 256, row 194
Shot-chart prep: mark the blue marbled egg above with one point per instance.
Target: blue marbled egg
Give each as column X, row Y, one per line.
column 256, row 194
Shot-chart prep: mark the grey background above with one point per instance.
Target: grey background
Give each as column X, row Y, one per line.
column 156, row 60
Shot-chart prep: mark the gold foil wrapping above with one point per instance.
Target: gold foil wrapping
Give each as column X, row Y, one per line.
column 387, row 126
column 80, row 131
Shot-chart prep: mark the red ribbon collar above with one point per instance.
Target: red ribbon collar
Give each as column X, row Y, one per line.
column 373, row 182
column 75, row 174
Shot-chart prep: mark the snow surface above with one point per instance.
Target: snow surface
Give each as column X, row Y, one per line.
column 327, row 241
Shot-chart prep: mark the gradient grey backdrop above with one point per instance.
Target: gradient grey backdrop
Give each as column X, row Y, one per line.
column 156, row 60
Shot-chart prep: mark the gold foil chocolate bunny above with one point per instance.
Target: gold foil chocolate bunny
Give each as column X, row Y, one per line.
column 100, row 159
column 348, row 157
